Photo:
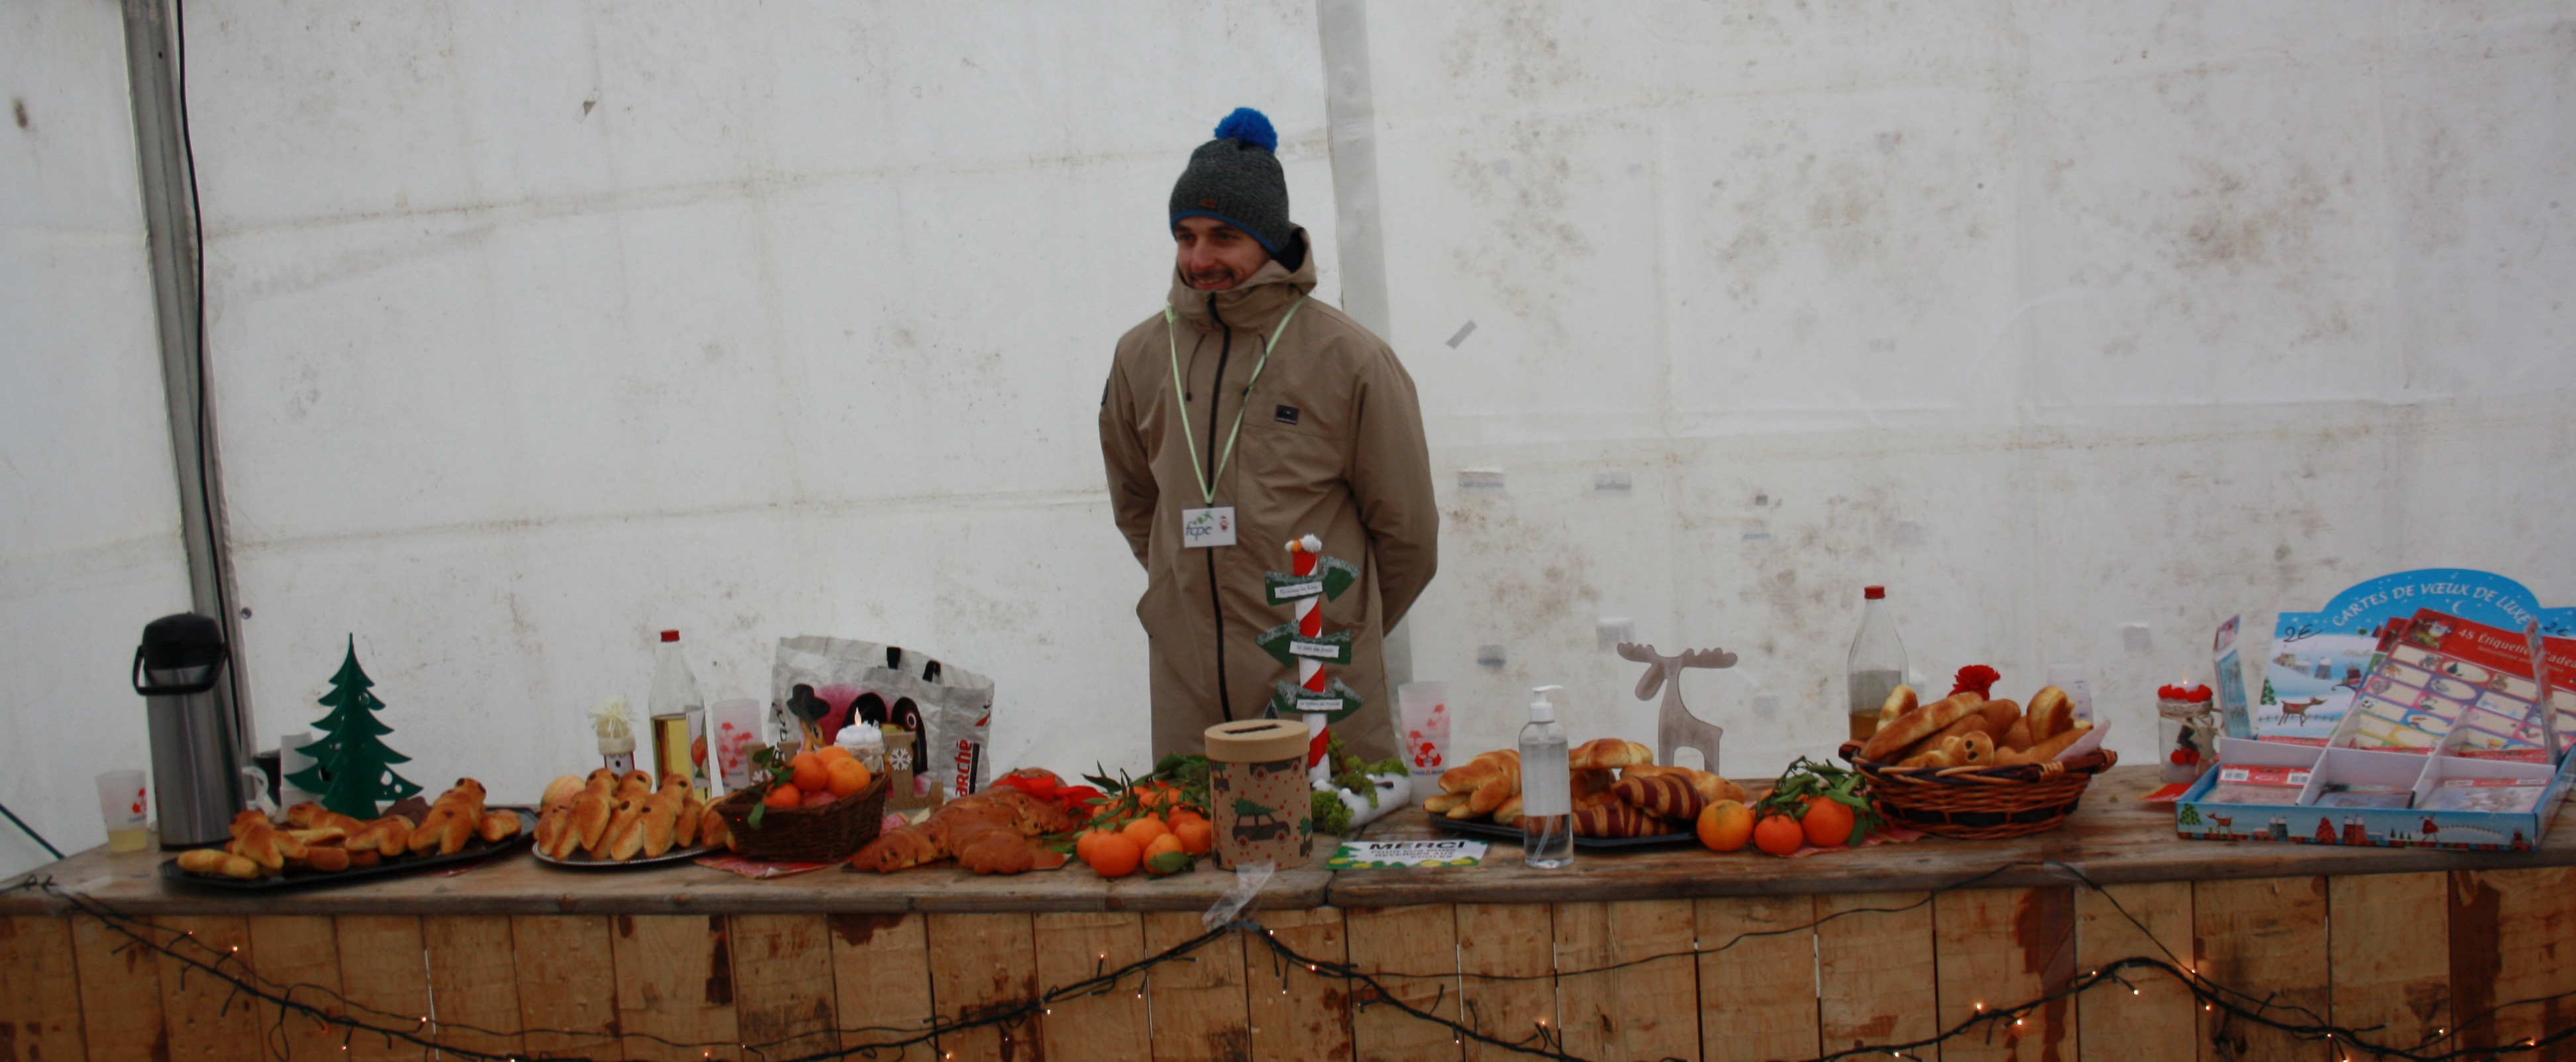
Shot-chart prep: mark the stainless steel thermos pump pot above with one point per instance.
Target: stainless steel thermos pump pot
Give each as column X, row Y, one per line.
column 197, row 757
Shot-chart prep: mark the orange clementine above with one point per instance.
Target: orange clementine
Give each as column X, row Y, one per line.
column 1089, row 840
column 1778, row 834
column 809, row 772
column 1144, row 830
column 1725, row 825
column 1114, row 855
column 847, row 776
column 1179, row 815
column 1163, row 845
column 830, row 753
column 1197, row 835
column 1828, row 823
column 785, row 796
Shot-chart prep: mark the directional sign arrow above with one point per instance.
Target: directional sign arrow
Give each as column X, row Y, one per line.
column 1337, row 702
column 1285, row 646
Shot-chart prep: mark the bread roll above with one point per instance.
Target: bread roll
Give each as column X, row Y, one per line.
column 203, row 860
column 2052, row 748
column 561, row 791
column 2017, row 738
column 2051, row 713
column 1665, row 795
column 1918, row 724
column 1606, row 753
column 2000, row 714
column 1466, row 777
column 1440, row 805
column 1618, row 820
column 1899, row 701
column 1712, row 788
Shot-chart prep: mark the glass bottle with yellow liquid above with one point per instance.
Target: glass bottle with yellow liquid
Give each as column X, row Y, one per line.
column 1876, row 665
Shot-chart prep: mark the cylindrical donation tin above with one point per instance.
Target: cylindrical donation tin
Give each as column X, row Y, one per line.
column 1264, row 807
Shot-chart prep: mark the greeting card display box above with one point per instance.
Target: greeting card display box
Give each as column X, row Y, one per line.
column 2438, row 784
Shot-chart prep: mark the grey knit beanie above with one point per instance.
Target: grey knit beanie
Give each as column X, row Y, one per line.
column 1236, row 179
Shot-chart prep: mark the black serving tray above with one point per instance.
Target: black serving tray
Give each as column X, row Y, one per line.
column 473, row 850
column 1490, row 828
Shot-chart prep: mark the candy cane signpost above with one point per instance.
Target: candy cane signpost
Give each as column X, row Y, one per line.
column 1320, row 700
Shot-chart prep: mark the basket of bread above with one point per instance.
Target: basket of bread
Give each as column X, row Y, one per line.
column 314, row 843
column 1972, row 767
column 1620, row 794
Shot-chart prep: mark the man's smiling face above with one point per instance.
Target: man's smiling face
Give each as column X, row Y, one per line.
column 1215, row 256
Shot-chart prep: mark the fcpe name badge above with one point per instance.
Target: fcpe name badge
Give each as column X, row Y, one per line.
column 1212, row 526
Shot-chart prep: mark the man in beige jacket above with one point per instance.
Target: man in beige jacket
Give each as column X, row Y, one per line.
column 1260, row 414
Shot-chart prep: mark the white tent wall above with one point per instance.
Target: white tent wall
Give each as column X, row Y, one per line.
column 2055, row 318
column 538, row 328
column 89, row 509
column 550, row 326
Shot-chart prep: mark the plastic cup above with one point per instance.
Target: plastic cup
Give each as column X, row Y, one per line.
column 733, row 730
column 2077, row 681
column 1423, row 709
column 122, row 804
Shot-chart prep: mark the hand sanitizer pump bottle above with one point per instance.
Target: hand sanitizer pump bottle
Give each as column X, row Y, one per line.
column 1547, row 792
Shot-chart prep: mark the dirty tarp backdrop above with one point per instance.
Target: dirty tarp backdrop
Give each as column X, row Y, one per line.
column 535, row 329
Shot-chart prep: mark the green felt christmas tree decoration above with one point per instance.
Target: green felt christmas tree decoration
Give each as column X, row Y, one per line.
column 351, row 768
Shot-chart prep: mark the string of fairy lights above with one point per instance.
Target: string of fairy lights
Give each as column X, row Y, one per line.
column 1366, row 988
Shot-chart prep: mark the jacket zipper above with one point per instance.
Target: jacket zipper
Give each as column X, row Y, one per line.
column 1216, row 604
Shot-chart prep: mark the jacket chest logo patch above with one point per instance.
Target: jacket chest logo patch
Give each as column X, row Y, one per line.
column 1285, row 415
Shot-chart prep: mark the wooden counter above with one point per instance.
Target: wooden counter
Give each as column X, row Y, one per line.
column 514, row 956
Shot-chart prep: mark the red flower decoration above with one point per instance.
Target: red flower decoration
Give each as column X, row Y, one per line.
column 1975, row 678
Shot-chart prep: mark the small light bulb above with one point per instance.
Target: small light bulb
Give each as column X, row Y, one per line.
column 2016, row 1021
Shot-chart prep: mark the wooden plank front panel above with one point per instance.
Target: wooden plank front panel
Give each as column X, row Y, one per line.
column 1644, row 1011
column 674, row 987
column 40, row 1004
column 1112, row 1023
column 2391, row 959
column 1875, row 958
column 1417, row 940
column 204, row 1019
column 299, row 956
column 2267, row 936
column 782, row 984
column 385, row 977
column 473, row 982
column 2153, row 1018
column 1297, row 1012
column 1757, row 994
column 881, row 980
column 1506, row 940
column 1200, row 1014
column 567, row 984
column 1998, row 948
column 122, row 978
column 2513, row 938
column 980, row 962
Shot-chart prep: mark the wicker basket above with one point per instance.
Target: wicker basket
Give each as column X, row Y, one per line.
column 827, row 834
column 1981, row 803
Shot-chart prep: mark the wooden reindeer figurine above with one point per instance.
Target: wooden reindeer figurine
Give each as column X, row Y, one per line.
column 1675, row 726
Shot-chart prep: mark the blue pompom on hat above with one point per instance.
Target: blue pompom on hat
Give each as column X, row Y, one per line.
column 1236, row 179
column 1250, row 126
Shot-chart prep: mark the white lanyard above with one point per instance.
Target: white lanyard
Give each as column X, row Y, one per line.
column 1171, row 329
